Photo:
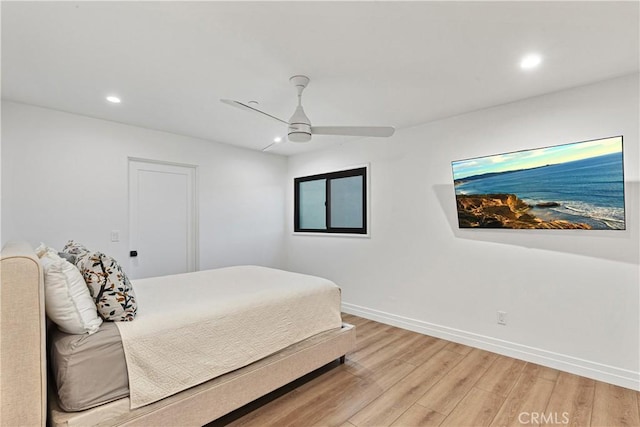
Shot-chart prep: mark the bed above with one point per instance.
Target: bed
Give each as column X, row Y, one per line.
column 28, row 398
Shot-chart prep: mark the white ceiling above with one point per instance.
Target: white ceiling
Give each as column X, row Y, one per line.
column 370, row 63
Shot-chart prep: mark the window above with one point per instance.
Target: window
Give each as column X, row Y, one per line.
column 333, row 202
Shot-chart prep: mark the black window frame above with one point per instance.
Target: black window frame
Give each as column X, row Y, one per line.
column 360, row 171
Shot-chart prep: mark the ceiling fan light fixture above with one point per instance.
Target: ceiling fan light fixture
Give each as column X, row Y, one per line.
column 299, row 133
column 299, row 137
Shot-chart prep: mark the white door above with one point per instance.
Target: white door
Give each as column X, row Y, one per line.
column 162, row 219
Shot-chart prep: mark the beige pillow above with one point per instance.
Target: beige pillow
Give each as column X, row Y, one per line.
column 67, row 300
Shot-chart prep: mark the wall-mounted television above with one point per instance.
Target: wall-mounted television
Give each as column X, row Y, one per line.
column 570, row 186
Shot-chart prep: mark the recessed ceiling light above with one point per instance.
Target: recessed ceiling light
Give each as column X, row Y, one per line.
column 530, row 61
column 277, row 139
column 113, row 99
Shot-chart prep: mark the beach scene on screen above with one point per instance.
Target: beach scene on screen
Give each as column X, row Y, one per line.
column 571, row 186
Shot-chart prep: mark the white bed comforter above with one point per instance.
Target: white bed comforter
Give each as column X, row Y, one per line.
column 196, row 326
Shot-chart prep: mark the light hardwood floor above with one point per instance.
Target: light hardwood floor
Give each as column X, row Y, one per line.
column 401, row 378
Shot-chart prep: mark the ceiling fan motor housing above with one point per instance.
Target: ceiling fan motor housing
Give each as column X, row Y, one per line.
column 299, row 133
column 299, row 126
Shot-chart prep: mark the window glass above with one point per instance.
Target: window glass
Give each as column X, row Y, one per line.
column 312, row 204
column 346, row 202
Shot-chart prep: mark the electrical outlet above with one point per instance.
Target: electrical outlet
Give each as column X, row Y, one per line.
column 502, row 318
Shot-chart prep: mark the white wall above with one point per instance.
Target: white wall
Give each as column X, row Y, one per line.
column 571, row 296
column 64, row 177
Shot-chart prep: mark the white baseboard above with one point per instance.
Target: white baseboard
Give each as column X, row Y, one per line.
column 597, row 371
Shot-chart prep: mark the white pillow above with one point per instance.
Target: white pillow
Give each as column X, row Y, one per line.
column 68, row 302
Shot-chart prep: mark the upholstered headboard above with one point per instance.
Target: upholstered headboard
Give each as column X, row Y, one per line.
column 23, row 372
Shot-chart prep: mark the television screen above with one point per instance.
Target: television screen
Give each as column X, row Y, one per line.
column 570, row 186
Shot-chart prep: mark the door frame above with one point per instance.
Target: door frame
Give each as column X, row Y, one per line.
column 194, row 263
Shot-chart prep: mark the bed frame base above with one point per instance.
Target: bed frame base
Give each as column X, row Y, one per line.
column 211, row 400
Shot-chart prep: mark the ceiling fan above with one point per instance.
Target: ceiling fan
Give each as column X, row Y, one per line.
column 300, row 129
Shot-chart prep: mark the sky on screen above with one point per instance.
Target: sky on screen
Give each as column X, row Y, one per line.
column 537, row 157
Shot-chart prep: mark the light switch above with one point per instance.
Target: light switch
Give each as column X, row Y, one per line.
column 115, row 235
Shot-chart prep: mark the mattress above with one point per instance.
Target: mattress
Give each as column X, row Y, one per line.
column 237, row 315
column 88, row 370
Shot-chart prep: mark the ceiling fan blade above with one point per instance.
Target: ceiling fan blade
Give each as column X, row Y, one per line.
column 246, row 107
column 378, row 131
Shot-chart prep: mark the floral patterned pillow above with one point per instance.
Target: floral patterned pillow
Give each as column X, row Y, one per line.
column 109, row 287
